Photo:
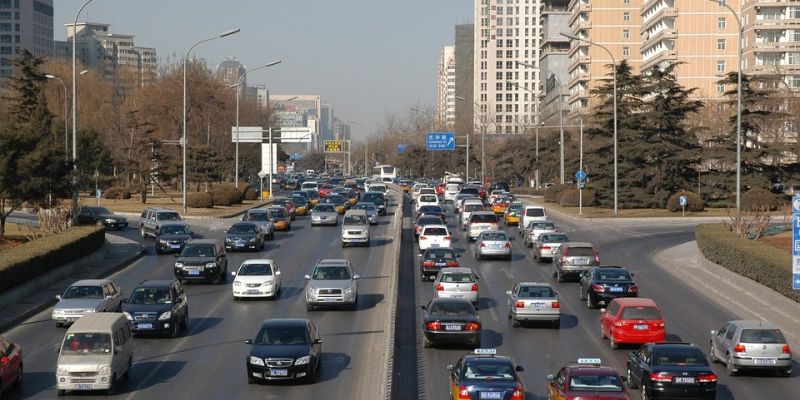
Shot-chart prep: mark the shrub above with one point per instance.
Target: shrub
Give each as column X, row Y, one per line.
column 29, row 260
column 226, row 194
column 117, row 193
column 248, row 191
column 528, row 191
column 758, row 199
column 552, row 193
column 749, row 258
column 200, row 200
column 572, row 197
column 694, row 202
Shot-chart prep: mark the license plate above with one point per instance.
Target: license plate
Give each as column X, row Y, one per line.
column 684, row 379
column 239, row 244
column 494, row 246
column 765, row 361
column 537, row 305
column 252, row 291
column 640, row 327
column 440, row 264
column 83, row 386
column 279, row 372
column 491, row 395
column 145, row 326
column 329, row 300
column 452, row 327
column 582, row 261
column 193, row 272
column 456, row 296
column 435, row 245
column 175, row 246
column 615, row 289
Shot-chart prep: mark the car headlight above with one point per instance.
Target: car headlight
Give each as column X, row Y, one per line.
column 110, row 220
column 237, row 283
column 256, row 361
column 165, row 316
column 104, row 370
column 162, row 241
column 62, row 371
column 210, row 265
column 302, row 360
column 267, row 283
column 252, row 240
column 348, row 290
column 58, row 311
column 310, row 290
column 128, row 315
column 90, row 310
column 178, row 265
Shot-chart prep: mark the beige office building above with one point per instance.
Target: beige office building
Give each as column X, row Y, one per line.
column 446, row 89
column 772, row 39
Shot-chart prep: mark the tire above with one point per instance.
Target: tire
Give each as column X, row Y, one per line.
column 611, row 342
column 251, row 380
column 555, row 274
column 157, row 250
column 785, row 373
column 580, row 293
column 20, row 375
column 112, row 388
column 310, row 307
column 185, row 322
column 559, row 277
column 216, row 280
column 557, row 323
column 142, row 232
column 175, row 331
column 732, row 371
column 426, row 343
column 589, row 303
column 645, row 395
column 629, row 376
column 711, row 356
column 514, row 322
column 61, row 393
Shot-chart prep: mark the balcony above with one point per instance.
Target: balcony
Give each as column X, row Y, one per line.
column 667, row 12
column 780, row 23
column 578, row 60
column 578, row 96
column 575, row 46
column 666, row 55
column 776, row 46
column 658, row 37
column 582, row 77
column 578, row 11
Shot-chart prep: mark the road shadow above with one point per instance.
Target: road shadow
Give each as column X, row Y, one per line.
column 200, row 325
column 381, row 242
column 159, row 372
column 491, row 339
column 724, row 392
column 35, row 383
column 485, row 303
column 368, row 300
column 271, row 245
column 213, row 290
column 671, row 337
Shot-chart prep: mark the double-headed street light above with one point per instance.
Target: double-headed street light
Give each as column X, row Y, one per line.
column 183, row 137
column 75, row 120
column 614, row 62
column 238, row 86
column 66, row 117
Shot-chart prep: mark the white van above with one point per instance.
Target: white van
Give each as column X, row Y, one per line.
column 310, row 185
column 377, row 187
column 96, row 352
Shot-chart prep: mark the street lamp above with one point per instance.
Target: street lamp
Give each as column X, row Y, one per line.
column 75, row 120
column 722, row 3
column 66, row 119
column 238, row 85
column 613, row 61
column 183, row 137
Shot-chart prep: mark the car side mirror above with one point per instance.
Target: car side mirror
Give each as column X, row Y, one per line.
column 458, row 255
column 520, row 368
column 248, row 341
column 306, row 277
column 450, row 367
column 623, row 378
column 356, row 277
column 632, row 274
column 551, row 377
column 58, row 297
column 423, row 307
column 508, row 293
column 233, row 273
column 125, row 301
column 317, row 341
column 277, row 272
column 713, row 333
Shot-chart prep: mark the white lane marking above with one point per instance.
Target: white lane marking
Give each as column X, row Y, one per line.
column 494, row 314
column 509, row 274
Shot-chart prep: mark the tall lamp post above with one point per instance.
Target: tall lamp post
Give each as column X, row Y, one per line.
column 183, row 137
column 238, row 86
column 722, row 3
column 75, row 119
column 66, row 119
column 613, row 61
column 466, row 163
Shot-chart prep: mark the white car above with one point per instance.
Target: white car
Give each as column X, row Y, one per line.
column 426, row 190
column 456, row 283
column 450, row 192
column 427, row 200
column 529, row 214
column 415, row 191
column 434, row 236
column 257, row 278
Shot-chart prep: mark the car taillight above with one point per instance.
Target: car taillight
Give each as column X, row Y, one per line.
column 439, row 287
column 519, row 304
column 618, row 324
column 555, row 304
column 705, row 378
column 633, row 289
column 660, row 377
column 452, row 263
column 474, row 287
column 473, row 326
column 483, row 245
column 519, row 393
column 563, row 259
column 418, row 228
column 448, row 237
column 507, row 245
column 427, row 263
column 786, row 349
column 544, row 247
column 433, row 326
column 739, row 348
column 423, row 238
column 598, row 288
column 463, row 393
column 596, row 256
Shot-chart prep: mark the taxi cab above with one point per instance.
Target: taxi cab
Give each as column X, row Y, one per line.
column 338, row 202
column 512, row 214
column 586, row 379
column 288, row 204
column 280, row 218
column 406, row 186
column 313, row 196
column 500, row 205
column 301, row 204
column 484, row 375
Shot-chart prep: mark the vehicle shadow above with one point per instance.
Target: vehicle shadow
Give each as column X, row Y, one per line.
column 485, row 303
column 331, row 365
column 671, row 337
column 270, row 245
column 35, row 384
column 158, row 371
column 491, row 339
column 381, row 242
column 368, row 300
column 724, row 392
column 200, row 325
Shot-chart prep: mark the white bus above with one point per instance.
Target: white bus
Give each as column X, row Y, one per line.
column 384, row 173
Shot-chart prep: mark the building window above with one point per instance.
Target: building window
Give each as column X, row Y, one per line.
column 720, row 65
column 5, row 50
column 626, row 16
column 626, row 33
column 794, row 81
column 720, row 88
column 794, row 12
column 794, row 58
column 626, row 2
column 626, row 51
column 721, row 23
column 720, row 44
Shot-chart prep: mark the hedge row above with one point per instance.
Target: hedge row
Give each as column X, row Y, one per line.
column 27, row 261
column 528, row 191
column 751, row 259
column 223, row 194
column 117, row 193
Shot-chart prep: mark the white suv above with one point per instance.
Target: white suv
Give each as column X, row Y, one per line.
column 531, row 213
column 450, row 192
column 434, row 236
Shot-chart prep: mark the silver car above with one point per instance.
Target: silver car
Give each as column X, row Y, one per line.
column 332, row 284
column 493, row 244
column 355, row 228
column 467, row 209
column 86, row 297
column 751, row 345
column 536, row 228
column 533, row 301
column 480, row 221
column 324, row 214
column 573, row 258
column 456, row 283
column 370, row 209
column 547, row 244
column 262, row 217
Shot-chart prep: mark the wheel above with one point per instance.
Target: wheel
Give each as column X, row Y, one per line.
column 645, row 394
column 20, row 376
column 59, row 324
column 559, row 277
column 112, row 389
column 344, row 244
column 185, row 322
column 557, row 324
column 580, row 293
column 711, row 356
column 158, row 251
column 426, row 343
column 784, row 373
column 142, row 233
column 589, row 302
column 514, row 322
column 310, row 307
column 251, row 380
column 422, row 277
column 478, row 255
column 509, row 257
column 629, row 377
column 730, row 367
column 216, row 279
column 611, row 342
column 175, row 331
column 555, row 274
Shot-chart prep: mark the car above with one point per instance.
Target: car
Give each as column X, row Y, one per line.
column 11, row 365
column 571, row 259
column 257, row 278
column 671, row 370
column 379, row 199
column 485, row 375
column 632, row 320
column 480, row 221
column 469, row 206
column 280, row 218
column 605, row 283
column 370, row 209
column 743, row 345
column 350, row 195
column 288, row 204
column 432, row 260
column 423, row 221
column 302, row 203
column 426, row 199
column 157, row 307
column 536, row 228
column 432, row 210
column 172, row 237
column 417, row 189
column 496, row 194
column 531, row 213
column 355, row 228
column 501, row 205
column 86, row 296
column 324, row 214
column 313, row 196
column 244, row 236
column 332, row 283
column 201, row 259
column 378, row 187
column 533, row 301
column 324, row 190
column 153, row 217
column 492, row 244
column 547, row 244
column 460, row 199
column 513, row 212
column 450, row 192
column 310, row 185
column 405, row 185
column 456, row 283
column 586, row 379
column 499, row 185
column 284, row 349
column 339, row 202
column 434, row 236
column 263, row 218
column 450, row 321
column 101, row 215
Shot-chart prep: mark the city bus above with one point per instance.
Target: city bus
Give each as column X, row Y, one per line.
column 384, row 173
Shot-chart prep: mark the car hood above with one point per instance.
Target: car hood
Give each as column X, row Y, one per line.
column 195, row 260
column 324, row 214
column 263, row 224
column 331, row 284
column 181, row 236
column 254, row 278
column 83, row 363
column 139, row 308
column 112, row 216
column 77, row 303
column 243, row 236
column 280, row 350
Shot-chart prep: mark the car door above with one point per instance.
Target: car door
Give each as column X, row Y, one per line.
column 558, row 386
column 116, row 296
column 727, row 341
column 454, row 374
column 607, row 318
column 512, row 298
column 276, row 276
column 108, row 298
column 180, row 303
column 316, row 348
column 639, row 364
column 6, row 369
column 718, row 340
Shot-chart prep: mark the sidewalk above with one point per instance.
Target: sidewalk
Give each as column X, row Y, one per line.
column 39, row 293
column 741, row 296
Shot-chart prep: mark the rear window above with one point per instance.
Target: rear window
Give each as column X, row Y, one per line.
column 532, row 292
column 473, row 207
column 611, row 275
column 435, row 231
column 472, row 191
column 452, row 187
column 534, row 212
column 645, row 313
column 679, row 357
column 429, row 221
column 762, row 336
column 429, row 199
column 595, row 383
column 544, row 226
column 482, row 219
column 555, row 238
column 458, row 278
column 498, row 236
column 434, row 254
column 580, row 252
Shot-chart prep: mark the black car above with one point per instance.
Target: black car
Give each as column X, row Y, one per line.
column 244, row 236
column 498, row 185
column 432, row 210
column 172, row 237
column 485, row 375
column 450, row 321
column 101, row 215
column 284, row 349
column 377, row 198
column 674, row 370
column 201, row 259
column 605, row 283
column 434, row 259
column 157, row 307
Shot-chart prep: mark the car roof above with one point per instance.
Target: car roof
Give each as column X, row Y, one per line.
column 751, row 324
column 156, row 283
column 90, row 282
column 536, row 284
column 635, row 302
column 284, row 322
column 456, row 270
column 258, row 261
column 333, row 261
column 435, row 226
column 204, row 241
column 533, row 207
column 578, row 244
column 355, row 212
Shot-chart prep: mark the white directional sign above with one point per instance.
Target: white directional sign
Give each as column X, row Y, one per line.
column 247, row 134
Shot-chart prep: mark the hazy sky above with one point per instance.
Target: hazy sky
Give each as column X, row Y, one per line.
column 366, row 57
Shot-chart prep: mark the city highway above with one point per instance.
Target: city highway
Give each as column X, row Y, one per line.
column 208, row 362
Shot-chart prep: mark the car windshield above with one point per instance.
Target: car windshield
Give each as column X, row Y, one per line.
column 82, row 343
column 451, row 308
column 168, row 216
column 438, row 254
column 198, row 250
column 470, row 191
column 766, row 336
column 489, row 371
column 429, row 221
column 679, row 357
column 150, row 295
column 99, row 210
column 644, row 313
column 613, row 275
column 257, row 216
column 458, row 278
column 534, row 212
column 435, row 231
column 554, row 238
column 533, row 292
column 174, row 230
column 240, row 229
column 595, row 383
column 494, row 236
column 482, row 219
column 428, row 199
column 255, row 269
column 334, row 273
column 334, row 200
column 355, row 220
column 83, row 292
column 282, row 336
column 364, row 206
column 325, row 208
column 373, row 197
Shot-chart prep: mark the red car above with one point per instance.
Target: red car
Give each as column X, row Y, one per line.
column 586, row 379
column 325, row 190
column 10, row 364
column 632, row 320
column 440, row 189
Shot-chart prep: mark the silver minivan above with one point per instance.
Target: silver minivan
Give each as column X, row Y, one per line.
column 96, row 352
column 355, row 228
column 751, row 345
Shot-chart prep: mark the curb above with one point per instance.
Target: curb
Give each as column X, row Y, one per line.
column 388, row 358
column 200, row 217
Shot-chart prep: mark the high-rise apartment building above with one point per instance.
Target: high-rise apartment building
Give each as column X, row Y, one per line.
column 507, row 94
column 230, row 70
column 554, row 59
column 326, row 121
column 24, row 24
column 464, row 68
column 446, row 89
column 771, row 39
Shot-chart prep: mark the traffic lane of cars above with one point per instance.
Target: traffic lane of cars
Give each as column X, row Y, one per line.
column 218, row 327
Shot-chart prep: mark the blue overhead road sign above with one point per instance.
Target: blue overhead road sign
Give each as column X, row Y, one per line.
column 796, row 242
column 401, row 148
column 580, row 175
column 441, row 141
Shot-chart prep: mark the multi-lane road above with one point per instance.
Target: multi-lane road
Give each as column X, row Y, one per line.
column 208, row 361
